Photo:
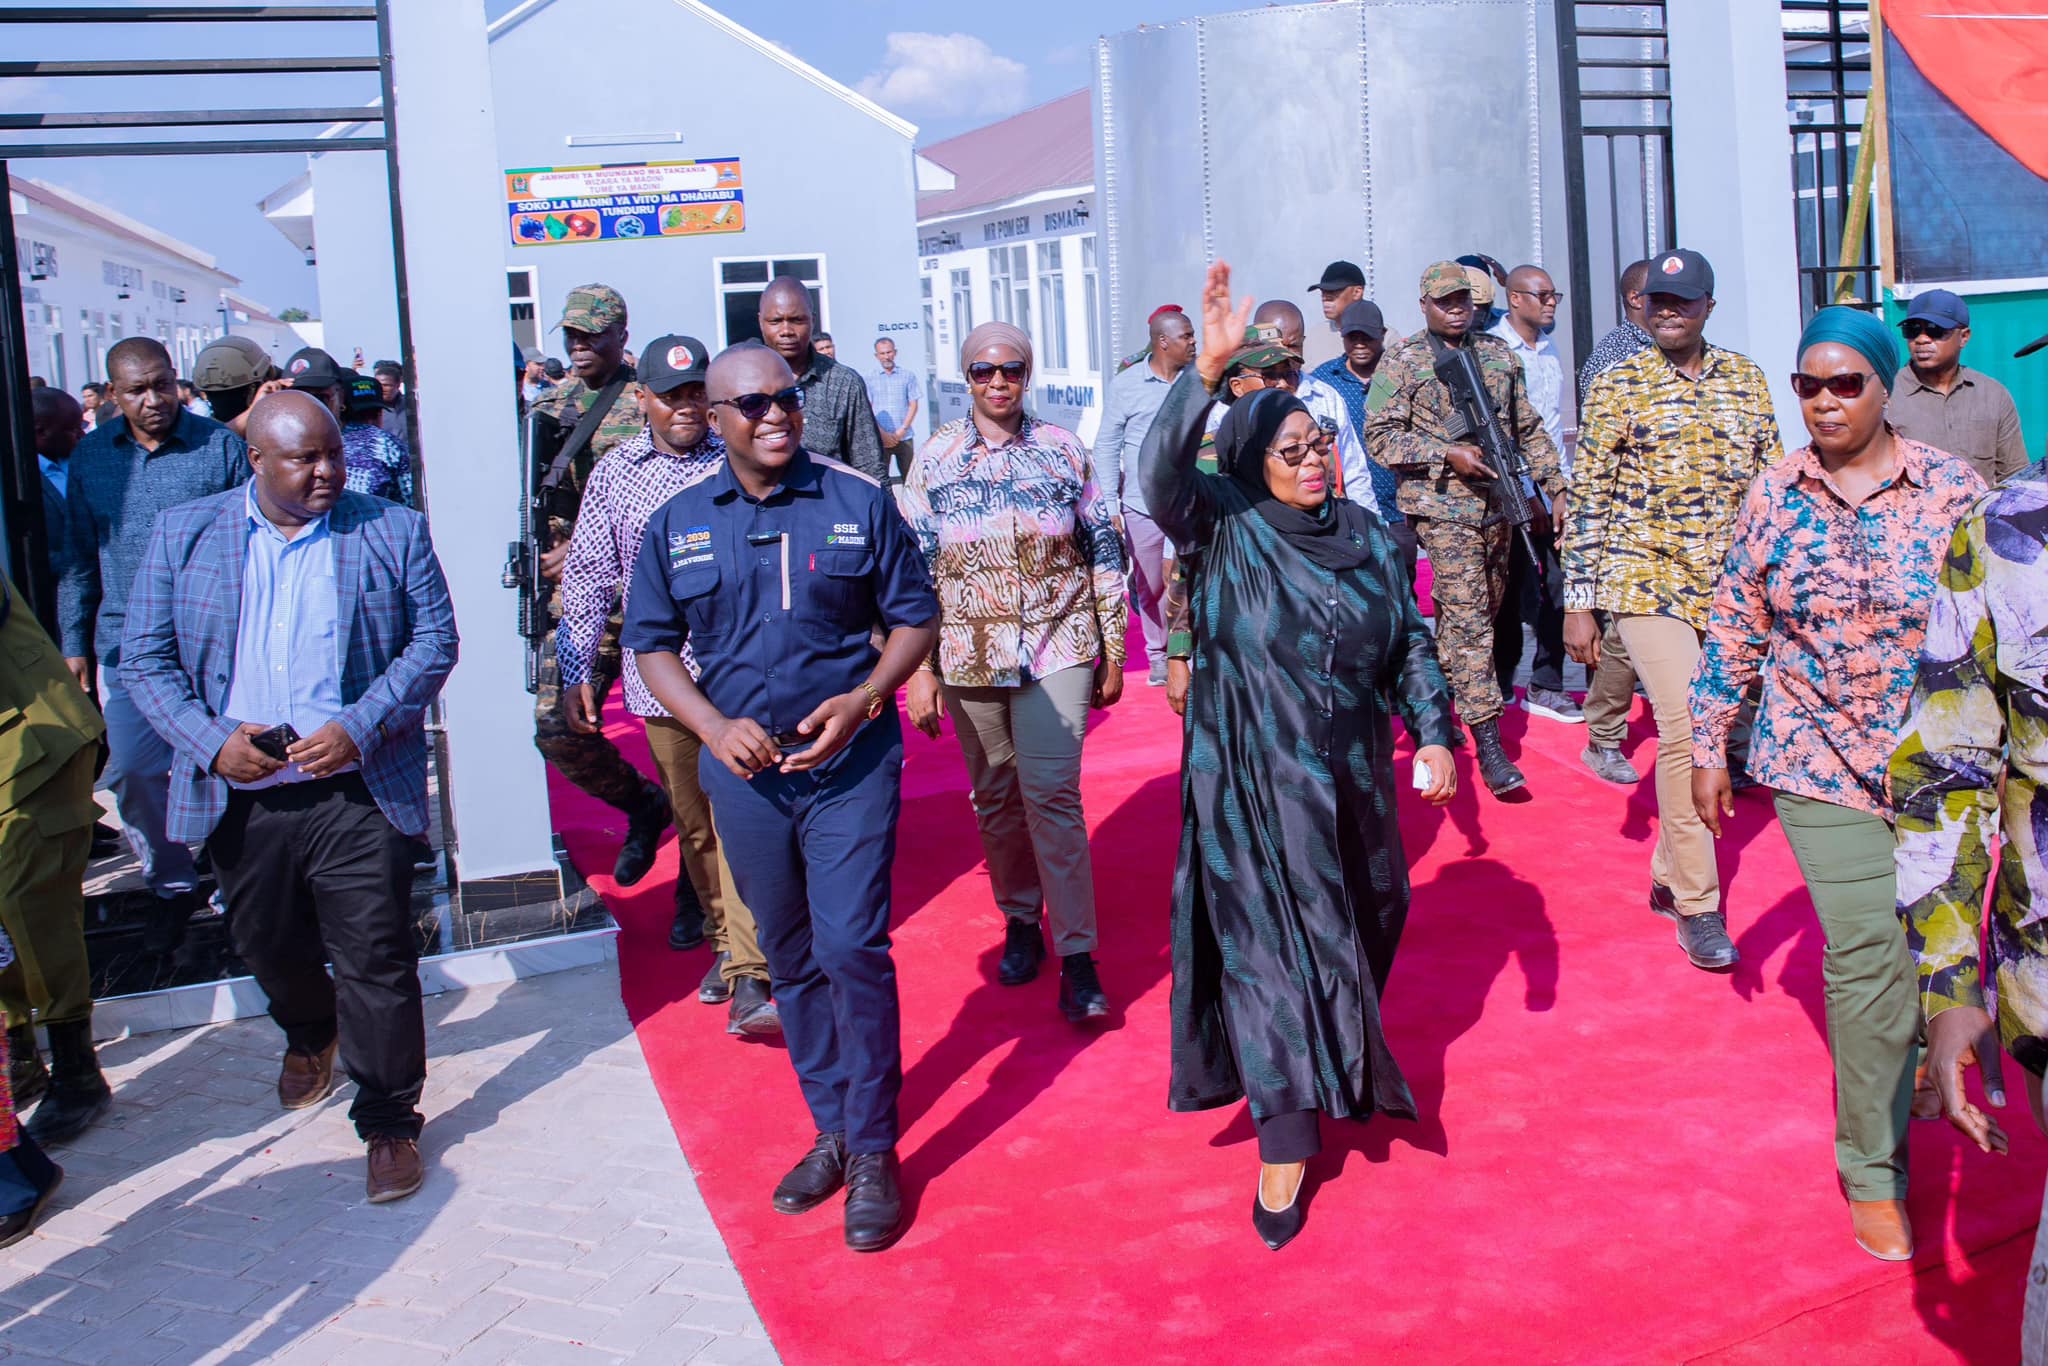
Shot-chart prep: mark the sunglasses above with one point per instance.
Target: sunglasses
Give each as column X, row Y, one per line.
column 982, row 371
column 1541, row 296
column 1920, row 327
column 1841, row 386
column 754, row 407
column 1294, row 452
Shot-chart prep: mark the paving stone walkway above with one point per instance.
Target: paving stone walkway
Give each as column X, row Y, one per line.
column 559, row 1222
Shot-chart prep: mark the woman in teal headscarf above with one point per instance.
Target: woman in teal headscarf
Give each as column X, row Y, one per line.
column 1825, row 596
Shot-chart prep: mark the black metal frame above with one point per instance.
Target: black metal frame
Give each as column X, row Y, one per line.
column 1849, row 80
column 1577, row 103
column 27, row 541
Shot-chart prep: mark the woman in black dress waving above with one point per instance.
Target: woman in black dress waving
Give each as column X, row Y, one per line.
column 1291, row 887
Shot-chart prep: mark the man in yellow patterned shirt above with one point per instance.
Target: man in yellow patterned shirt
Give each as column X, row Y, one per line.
column 1668, row 443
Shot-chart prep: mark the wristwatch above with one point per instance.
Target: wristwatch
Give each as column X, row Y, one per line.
column 874, row 700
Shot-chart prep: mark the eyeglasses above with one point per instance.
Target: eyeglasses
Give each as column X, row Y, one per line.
column 982, row 371
column 1541, row 296
column 1917, row 328
column 754, row 407
column 1294, row 452
column 1841, row 386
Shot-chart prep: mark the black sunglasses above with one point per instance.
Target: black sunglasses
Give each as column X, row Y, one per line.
column 1841, row 386
column 982, row 371
column 1916, row 328
column 754, row 407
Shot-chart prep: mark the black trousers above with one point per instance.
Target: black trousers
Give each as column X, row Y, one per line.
column 1295, row 1136
column 315, row 873
column 1541, row 603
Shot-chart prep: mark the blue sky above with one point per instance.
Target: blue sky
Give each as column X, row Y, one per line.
column 945, row 66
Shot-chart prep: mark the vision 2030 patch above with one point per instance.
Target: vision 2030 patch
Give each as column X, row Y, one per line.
column 846, row 533
column 688, row 547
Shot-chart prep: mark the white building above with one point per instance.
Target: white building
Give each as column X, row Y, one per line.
column 91, row 275
column 1005, row 232
column 686, row 196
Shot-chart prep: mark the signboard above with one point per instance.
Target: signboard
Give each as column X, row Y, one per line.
column 549, row 205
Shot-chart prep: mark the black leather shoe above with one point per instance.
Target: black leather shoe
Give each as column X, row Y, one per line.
column 1498, row 771
column 643, row 837
column 1705, row 940
column 752, row 1013
column 27, row 1078
column 15, row 1227
column 811, row 1181
column 714, row 990
column 686, row 931
column 874, row 1201
column 1081, row 995
column 163, row 926
column 106, row 841
column 1277, row 1227
column 1023, row 951
column 1663, row 901
column 78, row 1094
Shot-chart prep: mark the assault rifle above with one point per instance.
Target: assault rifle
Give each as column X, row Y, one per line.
column 540, row 480
column 1474, row 420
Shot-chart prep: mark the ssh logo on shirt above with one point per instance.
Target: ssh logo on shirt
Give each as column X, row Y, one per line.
column 689, row 547
column 846, row 533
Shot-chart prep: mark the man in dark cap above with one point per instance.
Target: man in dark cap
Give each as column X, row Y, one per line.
column 599, row 407
column 1342, row 285
column 312, row 371
column 839, row 422
column 1364, row 333
column 1943, row 402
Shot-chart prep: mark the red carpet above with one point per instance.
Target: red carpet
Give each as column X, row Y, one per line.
column 1621, row 1158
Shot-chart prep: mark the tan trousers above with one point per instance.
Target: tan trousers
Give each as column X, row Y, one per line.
column 727, row 921
column 1610, row 692
column 1664, row 651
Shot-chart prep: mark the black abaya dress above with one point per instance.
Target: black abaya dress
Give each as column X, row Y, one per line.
column 1291, row 887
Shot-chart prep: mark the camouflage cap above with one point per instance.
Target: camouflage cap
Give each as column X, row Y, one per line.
column 1482, row 286
column 1445, row 277
column 592, row 308
column 1262, row 348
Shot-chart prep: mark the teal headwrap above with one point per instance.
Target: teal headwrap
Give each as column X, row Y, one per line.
column 1863, row 333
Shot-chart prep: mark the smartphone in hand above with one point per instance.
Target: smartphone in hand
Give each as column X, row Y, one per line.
column 275, row 741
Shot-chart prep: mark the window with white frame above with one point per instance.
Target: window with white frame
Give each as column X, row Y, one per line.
column 963, row 308
column 522, row 288
column 1052, row 307
column 743, row 279
column 931, row 323
column 42, row 257
column 1091, row 300
column 1009, row 285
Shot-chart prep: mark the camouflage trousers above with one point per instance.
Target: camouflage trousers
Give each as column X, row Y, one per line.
column 1470, row 569
column 592, row 762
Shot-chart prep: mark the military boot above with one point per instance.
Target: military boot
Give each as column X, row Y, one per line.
column 644, row 828
column 27, row 1078
column 1495, row 767
column 78, row 1094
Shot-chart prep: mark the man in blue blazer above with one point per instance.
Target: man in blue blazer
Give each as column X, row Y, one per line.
column 285, row 638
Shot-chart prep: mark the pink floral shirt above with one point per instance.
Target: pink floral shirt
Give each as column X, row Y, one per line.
column 1828, row 601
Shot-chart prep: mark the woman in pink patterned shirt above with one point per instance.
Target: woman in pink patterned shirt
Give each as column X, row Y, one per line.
column 1825, row 594
column 1032, row 614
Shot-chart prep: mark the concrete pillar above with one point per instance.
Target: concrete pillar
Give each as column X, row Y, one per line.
column 1732, row 158
column 453, row 196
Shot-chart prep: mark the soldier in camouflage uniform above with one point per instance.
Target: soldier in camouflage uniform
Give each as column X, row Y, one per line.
column 1444, row 491
column 594, row 331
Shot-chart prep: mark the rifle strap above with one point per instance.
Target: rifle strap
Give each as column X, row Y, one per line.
column 586, row 427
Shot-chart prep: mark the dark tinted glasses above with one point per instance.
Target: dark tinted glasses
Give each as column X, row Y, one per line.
column 982, row 371
column 754, row 407
column 1841, row 386
column 1917, row 328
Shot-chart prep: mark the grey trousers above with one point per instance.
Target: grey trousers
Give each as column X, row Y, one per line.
column 1023, row 751
column 138, row 773
column 1149, row 552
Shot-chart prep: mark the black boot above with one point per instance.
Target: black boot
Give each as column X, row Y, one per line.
column 163, row 929
column 1081, row 994
column 27, row 1078
column 874, row 1201
column 686, row 931
column 78, row 1094
column 1499, row 772
column 1023, row 951
column 643, row 836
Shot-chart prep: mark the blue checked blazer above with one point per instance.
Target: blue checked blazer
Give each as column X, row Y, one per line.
column 398, row 645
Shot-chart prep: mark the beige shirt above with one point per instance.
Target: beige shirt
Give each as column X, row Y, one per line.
column 1975, row 420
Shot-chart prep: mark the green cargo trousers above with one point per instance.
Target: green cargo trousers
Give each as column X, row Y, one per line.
column 1872, row 992
column 42, row 898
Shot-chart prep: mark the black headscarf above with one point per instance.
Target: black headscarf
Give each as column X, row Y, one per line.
column 1336, row 535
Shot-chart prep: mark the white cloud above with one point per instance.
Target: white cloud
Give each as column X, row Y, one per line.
column 948, row 74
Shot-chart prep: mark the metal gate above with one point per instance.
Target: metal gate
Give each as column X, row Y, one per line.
column 169, row 132
column 1614, row 78
column 1827, row 84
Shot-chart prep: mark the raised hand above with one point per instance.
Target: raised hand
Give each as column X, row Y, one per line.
column 1222, row 326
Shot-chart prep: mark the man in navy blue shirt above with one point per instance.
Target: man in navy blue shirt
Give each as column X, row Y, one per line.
column 775, row 572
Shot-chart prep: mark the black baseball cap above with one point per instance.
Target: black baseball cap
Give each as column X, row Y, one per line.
column 313, row 368
column 1682, row 273
column 1338, row 275
column 669, row 362
column 363, row 395
column 1362, row 315
column 552, row 368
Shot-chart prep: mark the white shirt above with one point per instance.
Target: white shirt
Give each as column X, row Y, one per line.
column 1543, row 376
column 1327, row 406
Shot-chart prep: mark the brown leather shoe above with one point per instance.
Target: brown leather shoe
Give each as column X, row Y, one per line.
column 396, row 1168
column 306, row 1078
column 1882, row 1229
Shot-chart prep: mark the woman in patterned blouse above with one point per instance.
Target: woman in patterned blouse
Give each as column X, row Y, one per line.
column 1825, row 593
column 1032, row 614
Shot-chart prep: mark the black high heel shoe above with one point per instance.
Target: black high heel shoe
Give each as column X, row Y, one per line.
column 1278, row 1227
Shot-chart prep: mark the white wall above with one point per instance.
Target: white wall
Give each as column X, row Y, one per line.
column 352, row 249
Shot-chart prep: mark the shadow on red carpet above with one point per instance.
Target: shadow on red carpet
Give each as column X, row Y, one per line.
column 1619, row 1158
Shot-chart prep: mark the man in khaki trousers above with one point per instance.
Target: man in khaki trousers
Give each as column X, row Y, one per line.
column 1668, row 444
